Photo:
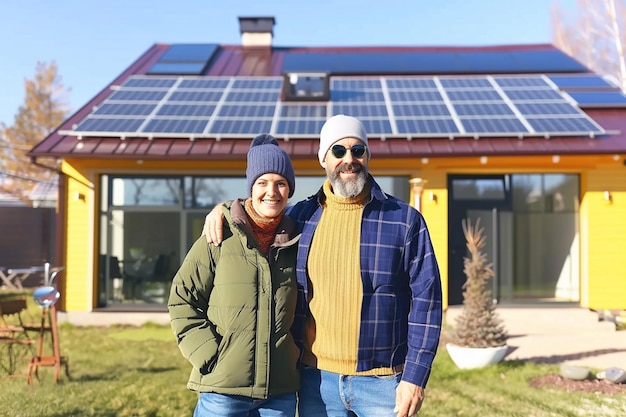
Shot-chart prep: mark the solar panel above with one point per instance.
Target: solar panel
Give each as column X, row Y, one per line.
column 258, row 83
column 175, row 126
column 599, row 98
column 125, row 109
column 249, row 128
column 486, row 109
column 380, row 126
column 420, row 109
column 401, row 106
column 584, row 81
column 427, row 126
column 562, row 125
column 304, row 110
column 521, row 82
column 546, row 61
column 193, row 95
column 189, row 52
column 474, row 95
column 247, row 111
column 534, row 95
column 415, row 95
column 550, row 60
column 196, row 110
column 498, row 125
column 357, row 95
column 152, row 83
column 109, row 125
column 464, row 82
column 299, row 127
column 138, row 95
column 356, row 84
column 177, row 68
column 203, row 83
column 253, row 96
column 412, row 83
column 184, row 59
column 361, row 111
column 546, row 108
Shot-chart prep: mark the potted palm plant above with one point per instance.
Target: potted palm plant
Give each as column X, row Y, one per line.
column 479, row 337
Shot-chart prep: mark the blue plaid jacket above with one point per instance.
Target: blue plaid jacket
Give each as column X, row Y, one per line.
column 401, row 309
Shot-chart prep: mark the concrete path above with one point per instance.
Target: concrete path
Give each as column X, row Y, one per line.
column 557, row 335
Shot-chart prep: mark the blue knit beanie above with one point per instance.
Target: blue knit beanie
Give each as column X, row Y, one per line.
column 266, row 156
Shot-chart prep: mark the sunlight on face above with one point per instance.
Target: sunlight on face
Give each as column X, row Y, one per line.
column 270, row 193
column 348, row 174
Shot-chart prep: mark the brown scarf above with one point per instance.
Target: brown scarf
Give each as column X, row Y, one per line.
column 263, row 229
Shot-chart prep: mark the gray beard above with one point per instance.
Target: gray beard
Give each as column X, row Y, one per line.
column 348, row 189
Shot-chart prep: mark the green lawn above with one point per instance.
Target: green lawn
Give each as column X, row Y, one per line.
column 124, row 371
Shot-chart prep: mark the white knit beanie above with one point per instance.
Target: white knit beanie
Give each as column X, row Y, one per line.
column 337, row 128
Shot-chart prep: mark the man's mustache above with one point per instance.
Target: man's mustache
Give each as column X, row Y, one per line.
column 354, row 166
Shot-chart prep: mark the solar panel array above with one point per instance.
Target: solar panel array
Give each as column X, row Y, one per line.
column 432, row 62
column 403, row 106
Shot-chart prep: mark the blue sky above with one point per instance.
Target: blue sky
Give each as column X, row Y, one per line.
column 92, row 42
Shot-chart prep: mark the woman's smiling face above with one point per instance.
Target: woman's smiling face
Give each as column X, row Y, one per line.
column 270, row 193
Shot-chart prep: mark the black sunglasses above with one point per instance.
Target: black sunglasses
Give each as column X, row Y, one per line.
column 339, row 151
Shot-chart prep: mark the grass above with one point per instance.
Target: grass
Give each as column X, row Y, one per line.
column 127, row 371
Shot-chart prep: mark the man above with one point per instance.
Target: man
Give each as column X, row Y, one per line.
column 369, row 314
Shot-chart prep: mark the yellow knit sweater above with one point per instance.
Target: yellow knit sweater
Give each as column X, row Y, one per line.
column 332, row 333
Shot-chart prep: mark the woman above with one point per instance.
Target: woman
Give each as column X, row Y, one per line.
column 232, row 306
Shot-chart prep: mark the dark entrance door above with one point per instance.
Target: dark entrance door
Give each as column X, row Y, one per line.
column 488, row 198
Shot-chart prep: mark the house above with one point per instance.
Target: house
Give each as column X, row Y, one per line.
column 523, row 137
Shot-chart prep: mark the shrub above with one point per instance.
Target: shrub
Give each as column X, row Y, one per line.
column 478, row 325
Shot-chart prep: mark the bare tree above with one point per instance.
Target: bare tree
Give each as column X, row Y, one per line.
column 43, row 110
column 595, row 36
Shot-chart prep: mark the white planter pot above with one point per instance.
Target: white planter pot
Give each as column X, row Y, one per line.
column 472, row 358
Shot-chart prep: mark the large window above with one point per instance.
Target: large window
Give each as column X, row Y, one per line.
column 546, row 235
column 148, row 223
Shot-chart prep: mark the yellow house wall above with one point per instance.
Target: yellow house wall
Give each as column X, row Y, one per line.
column 434, row 208
column 78, row 289
column 602, row 224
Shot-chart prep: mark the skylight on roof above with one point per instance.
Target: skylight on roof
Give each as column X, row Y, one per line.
column 184, row 59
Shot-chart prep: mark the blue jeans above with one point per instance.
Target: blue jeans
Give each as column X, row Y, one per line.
column 211, row 404
column 326, row 394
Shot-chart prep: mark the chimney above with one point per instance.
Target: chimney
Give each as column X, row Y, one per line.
column 257, row 31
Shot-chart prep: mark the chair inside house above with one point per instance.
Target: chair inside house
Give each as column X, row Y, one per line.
column 15, row 324
column 155, row 286
column 115, row 275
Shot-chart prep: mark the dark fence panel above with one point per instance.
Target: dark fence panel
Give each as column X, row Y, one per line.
column 27, row 238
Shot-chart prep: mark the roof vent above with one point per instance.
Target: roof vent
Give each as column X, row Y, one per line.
column 306, row 86
column 256, row 31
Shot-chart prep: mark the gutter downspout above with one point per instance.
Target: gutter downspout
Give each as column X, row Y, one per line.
column 33, row 160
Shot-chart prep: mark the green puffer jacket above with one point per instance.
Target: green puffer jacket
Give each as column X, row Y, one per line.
column 231, row 309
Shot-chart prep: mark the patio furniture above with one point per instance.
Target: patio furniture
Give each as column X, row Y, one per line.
column 14, row 332
column 13, row 278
